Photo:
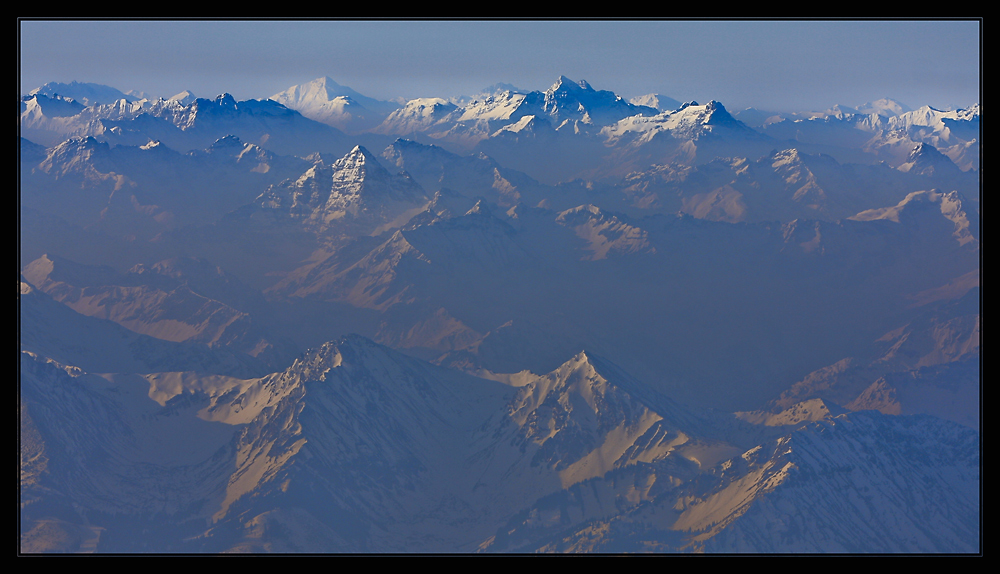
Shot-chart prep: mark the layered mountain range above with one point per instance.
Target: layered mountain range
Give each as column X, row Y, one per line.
column 522, row 321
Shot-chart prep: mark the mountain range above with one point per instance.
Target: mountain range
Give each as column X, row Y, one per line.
column 522, row 321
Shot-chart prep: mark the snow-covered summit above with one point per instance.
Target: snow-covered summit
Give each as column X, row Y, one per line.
column 567, row 99
column 925, row 159
column 565, row 103
column 691, row 121
column 886, row 107
column 418, row 115
column 658, row 101
column 328, row 102
column 185, row 98
column 87, row 94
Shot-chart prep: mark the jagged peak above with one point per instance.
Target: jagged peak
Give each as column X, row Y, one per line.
column 359, row 149
column 83, row 146
column 229, row 140
column 580, row 214
column 607, row 378
column 225, row 99
column 81, row 141
column 358, row 156
column 926, row 151
column 330, row 351
column 408, row 143
column 352, row 340
column 810, row 410
column 566, row 84
column 786, row 157
column 585, row 362
column 480, row 208
column 717, row 111
column 925, row 159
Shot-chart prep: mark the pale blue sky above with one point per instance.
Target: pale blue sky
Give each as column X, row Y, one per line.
column 778, row 65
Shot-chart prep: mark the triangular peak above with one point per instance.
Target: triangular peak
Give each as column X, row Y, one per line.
column 581, row 363
column 567, row 84
column 480, row 208
column 357, row 156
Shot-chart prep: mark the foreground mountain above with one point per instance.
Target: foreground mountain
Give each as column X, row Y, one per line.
column 861, row 473
column 357, row 448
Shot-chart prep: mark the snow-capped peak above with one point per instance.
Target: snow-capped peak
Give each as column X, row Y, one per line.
column 185, row 98
column 226, row 100
column 885, row 107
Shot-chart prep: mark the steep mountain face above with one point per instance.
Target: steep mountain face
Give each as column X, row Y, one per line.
column 925, row 159
column 567, row 100
column 387, row 452
column 368, row 450
column 356, row 192
column 43, row 118
column 605, row 233
column 860, row 472
column 374, row 445
column 829, row 464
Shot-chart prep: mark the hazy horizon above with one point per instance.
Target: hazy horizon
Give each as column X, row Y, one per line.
column 772, row 65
